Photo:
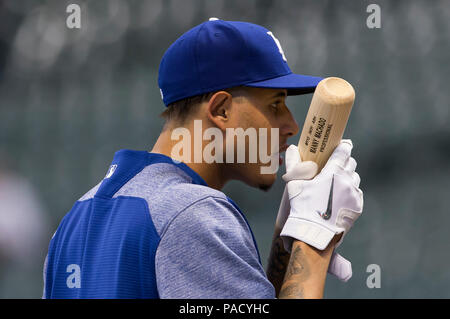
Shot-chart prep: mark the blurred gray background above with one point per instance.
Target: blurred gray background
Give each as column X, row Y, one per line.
column 70, row 98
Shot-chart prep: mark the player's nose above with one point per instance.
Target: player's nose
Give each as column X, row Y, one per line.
column 289, row 126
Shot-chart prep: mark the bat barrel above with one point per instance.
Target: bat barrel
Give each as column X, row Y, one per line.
column 335, row 91
column 326, row 119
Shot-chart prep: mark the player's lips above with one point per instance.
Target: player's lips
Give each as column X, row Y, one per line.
column 282, row 150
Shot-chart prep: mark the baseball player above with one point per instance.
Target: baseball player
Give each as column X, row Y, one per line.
column 158, row 225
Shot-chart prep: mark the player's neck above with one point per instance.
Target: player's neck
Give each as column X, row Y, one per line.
column 213, row 174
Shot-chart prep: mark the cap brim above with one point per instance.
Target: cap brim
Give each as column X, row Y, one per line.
column 295, row 84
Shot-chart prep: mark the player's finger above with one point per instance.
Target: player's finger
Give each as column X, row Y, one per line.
column 350, row 166
column 342, row 153
column 356, row 179
column 301, row 171
column 292, row 157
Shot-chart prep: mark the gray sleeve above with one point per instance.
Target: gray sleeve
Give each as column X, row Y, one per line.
column 207, row 251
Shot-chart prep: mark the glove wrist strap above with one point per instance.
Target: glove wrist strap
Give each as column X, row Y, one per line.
column 308, row 232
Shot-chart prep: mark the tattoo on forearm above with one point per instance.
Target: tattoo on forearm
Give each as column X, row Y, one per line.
column 297, row 264
column 297, row 272
column 291, row 291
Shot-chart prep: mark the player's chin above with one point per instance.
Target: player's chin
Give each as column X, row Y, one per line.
column 266, row 183
column 263, row 181
column 255, row 176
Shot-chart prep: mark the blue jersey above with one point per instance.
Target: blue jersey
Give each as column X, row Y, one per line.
column 152, row 228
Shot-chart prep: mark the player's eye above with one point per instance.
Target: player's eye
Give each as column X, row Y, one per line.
column 275, row 105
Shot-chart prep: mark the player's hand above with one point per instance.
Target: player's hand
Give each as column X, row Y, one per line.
column 339, row 266
column 304, row 170
column 326, row 205
column 301, row 170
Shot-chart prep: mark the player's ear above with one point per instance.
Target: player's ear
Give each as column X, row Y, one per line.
column 219, row 108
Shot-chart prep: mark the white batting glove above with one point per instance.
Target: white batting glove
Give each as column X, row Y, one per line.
column 339, row 266
column 304, row 170
column 298, row 170
column 325, row 206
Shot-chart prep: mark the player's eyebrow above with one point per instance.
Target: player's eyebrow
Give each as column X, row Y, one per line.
column 279, row 94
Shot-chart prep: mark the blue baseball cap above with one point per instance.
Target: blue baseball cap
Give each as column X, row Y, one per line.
column 218, row 54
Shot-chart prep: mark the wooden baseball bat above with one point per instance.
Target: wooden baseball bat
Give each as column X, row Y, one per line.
column 326, row 120
column 323, row 129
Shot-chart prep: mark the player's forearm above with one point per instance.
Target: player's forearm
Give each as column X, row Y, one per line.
column 306, row 272
column 278, row 262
